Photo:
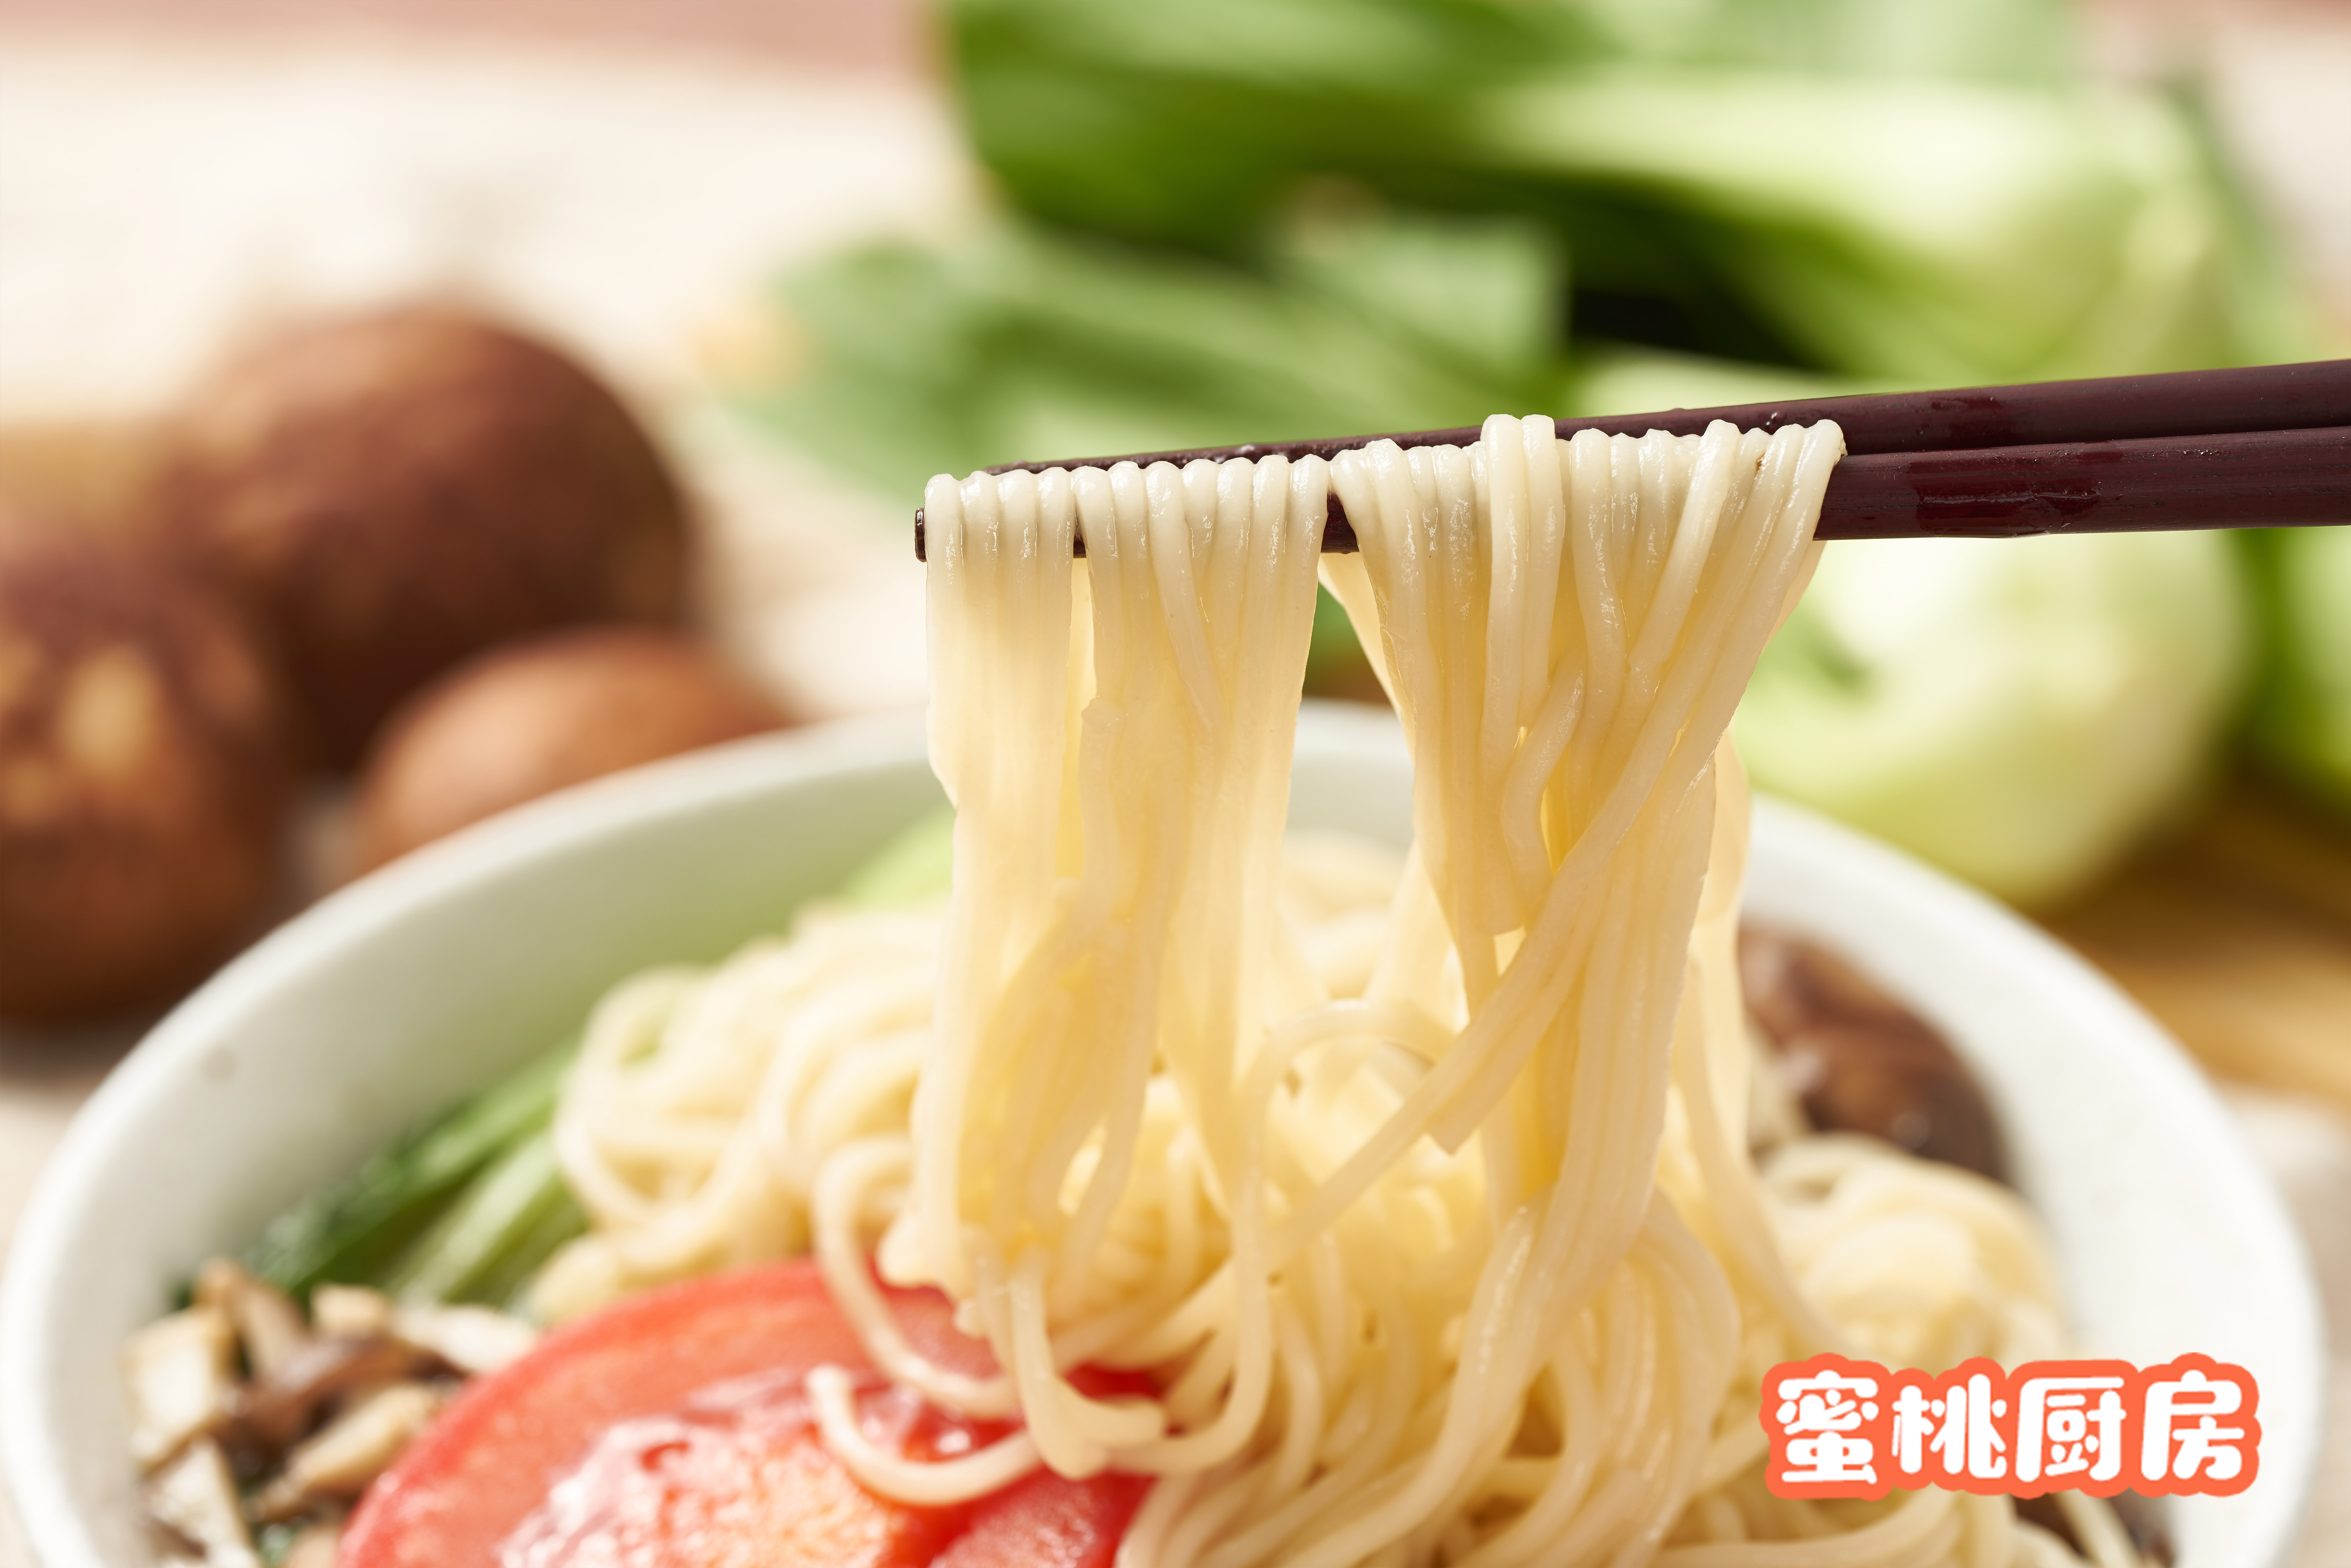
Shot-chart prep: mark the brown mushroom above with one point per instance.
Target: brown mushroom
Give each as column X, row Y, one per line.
column 2142, row 1519
column 179, row 1371
column 336, row 1465
column 330, row 1404
column 271, row 1413
column 533, row 717
column 268, row 1325
column 393, row 493
column 468, row 1339
column 143, row 775
column 1861, row 1061
column 350, row 1312
column 194, row 1497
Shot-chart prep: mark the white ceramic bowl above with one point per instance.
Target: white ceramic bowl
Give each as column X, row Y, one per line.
column 400, row 994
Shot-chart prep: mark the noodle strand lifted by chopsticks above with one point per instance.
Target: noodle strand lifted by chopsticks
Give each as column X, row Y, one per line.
column 1438, row 1228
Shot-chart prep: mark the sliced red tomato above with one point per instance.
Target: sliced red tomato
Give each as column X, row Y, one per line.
column 670, row 1429
column 1047, row 1521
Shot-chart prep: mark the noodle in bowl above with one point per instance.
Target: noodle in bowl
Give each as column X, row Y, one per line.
column 1422, row 1188
column 1417, row 1189
column 2164, row 1233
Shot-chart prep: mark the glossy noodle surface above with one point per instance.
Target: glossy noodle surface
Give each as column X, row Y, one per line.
column 1422, row 1187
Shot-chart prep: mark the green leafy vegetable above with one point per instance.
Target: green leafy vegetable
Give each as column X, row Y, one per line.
column 363, row 1229
column 1250, row 219
column 486, row 1245
column 2301, row 724
column 275, row 1542
column 1025, row 343
column 2016, row 710
column 1910, row 190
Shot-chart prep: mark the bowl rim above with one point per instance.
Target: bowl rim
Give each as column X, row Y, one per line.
column 32, row 1461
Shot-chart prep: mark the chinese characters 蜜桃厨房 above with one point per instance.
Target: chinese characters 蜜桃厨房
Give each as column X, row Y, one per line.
column 1841, row 1427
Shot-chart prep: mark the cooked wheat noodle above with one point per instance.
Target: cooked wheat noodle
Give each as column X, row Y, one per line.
column 1422, row 1187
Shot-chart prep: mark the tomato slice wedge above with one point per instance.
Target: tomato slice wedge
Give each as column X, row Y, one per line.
column 1049, row 1521
column 669, row 1431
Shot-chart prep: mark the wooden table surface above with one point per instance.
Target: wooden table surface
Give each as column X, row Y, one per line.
column 2237, row 934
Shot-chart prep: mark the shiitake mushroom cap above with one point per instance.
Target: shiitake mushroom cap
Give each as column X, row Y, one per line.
column 389, row 495
column 1860, row 1061
column 535, row 715
column 143, row 768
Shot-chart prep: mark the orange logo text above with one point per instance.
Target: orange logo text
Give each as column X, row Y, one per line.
column 1851, row 1428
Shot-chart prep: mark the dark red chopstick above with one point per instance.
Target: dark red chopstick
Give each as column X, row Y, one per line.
column 2265, row 446
column 2250, row 480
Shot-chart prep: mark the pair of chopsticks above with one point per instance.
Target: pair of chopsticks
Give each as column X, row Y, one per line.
column 2264, row 447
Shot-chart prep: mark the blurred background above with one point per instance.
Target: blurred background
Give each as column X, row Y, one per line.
column 408, row 407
